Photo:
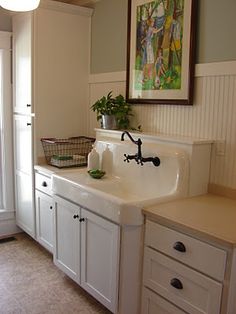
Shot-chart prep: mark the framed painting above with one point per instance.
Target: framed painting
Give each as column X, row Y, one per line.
column 161, row 51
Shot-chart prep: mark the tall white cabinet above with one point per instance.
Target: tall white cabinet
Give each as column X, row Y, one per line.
column 51, row 49
column 22, row 122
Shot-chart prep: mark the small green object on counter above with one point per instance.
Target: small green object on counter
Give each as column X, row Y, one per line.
column 96, row 173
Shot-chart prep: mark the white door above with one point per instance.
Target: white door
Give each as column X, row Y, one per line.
column 24, row 187
column 22, row 62
column 100, row 241
column 66, row 251
column 44, row 220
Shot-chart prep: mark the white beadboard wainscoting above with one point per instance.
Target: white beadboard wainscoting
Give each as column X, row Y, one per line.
column 212, row 116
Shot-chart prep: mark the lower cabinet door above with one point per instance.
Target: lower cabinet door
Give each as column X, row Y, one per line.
column 25, row 212
column 152, row 303
column 66, row 251
column 44, row 220
column 100, row 258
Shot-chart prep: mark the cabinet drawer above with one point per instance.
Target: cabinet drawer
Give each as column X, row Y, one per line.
column 195, row 253
column 191, row 291
column 43, row 183
column 152, row 303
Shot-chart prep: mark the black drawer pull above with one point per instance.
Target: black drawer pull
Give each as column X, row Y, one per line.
column 176, row 283
column 76, row 216
column 28, row 105
column 50, row 207
column 28, row 124
column 179, row 246
column 44, row 183
column 81, row 220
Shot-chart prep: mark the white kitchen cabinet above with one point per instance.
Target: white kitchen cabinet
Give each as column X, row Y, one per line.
column 44, row 220
column 87, row 250
column 185, row 271
column 50, row 89
column 23, row 123
column 66, row 253
column 44, row 210
column 24, row 193
column 100, row 258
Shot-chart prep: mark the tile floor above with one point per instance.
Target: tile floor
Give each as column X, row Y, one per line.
column 31, row 284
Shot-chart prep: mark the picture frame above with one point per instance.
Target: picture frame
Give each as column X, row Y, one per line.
column 161, row 51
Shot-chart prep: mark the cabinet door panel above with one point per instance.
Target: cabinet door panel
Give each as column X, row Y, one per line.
column 44, row 220
column 22, row 39
column 25, row 215
column 23, row 144
column 67, row 238
column 99, row 258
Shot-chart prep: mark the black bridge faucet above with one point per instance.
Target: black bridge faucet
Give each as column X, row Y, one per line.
column 138, row 157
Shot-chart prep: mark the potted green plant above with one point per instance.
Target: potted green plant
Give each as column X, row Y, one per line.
column 114, row 112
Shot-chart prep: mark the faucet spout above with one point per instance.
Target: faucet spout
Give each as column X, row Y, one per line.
column 138, row 142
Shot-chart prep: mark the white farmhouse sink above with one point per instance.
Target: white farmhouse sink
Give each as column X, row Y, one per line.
column 127, row 188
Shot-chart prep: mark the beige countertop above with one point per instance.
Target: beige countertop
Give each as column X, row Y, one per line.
column 210, row 216
column 49, row 170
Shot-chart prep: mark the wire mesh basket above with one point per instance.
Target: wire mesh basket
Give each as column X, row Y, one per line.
column 67, row 152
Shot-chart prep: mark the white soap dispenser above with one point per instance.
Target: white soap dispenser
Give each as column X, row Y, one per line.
column 93, row 159
column 107, row 160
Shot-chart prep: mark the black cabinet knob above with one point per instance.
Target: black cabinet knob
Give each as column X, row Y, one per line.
column 81, row 220
column 44, row 183
column 179, row 246
column 28, row 124
column 76, row 216
column 176, row 283
column 28, row 105
column 50, row 207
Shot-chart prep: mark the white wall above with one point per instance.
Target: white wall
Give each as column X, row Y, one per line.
column 213, row 114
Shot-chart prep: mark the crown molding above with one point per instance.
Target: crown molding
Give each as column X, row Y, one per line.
column 65, row 7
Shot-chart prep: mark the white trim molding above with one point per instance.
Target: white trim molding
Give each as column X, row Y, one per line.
column 215, row 69
column 201, row 69
column 6, row 154
column 107, row 77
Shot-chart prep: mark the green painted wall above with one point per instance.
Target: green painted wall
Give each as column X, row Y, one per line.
column 109, row 27
column 215, row 33
column 5, row 21
column 216, row 26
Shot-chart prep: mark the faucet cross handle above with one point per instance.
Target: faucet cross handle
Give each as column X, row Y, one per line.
column 126, row 157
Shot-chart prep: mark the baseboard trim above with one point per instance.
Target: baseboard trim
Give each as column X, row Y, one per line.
column 222, row 191
column 8, row 227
